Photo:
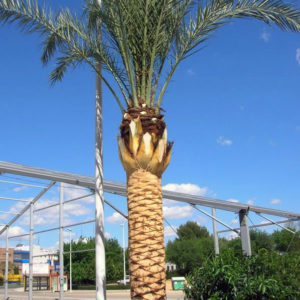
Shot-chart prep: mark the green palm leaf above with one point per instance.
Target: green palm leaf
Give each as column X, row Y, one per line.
column 141, row 40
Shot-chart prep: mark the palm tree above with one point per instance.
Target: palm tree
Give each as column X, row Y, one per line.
column 143, row 42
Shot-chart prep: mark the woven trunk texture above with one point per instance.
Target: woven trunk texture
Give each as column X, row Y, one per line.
column 146, row 236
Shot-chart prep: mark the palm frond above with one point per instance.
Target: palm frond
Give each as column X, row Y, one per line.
column 212, row 14
column 140, row 39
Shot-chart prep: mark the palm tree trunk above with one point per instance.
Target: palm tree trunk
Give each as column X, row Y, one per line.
column 145, row 154
column 146, row 236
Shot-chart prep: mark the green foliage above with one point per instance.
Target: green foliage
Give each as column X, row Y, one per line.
column 141, row 39
column 83, row 270
column 266, row 275
column 285, row 241
column 83, row 264
column 191, row 230
column 118, row 287
column 191, row 248
column 259, row 240
column 114, row 260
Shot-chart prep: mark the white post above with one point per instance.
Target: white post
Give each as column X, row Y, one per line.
column 30, row 252
column 70, row 231
column 215, row 231
column 99, row 198
column 244, row 229
column 61, row 244
column 124, row 259
column 6, row 264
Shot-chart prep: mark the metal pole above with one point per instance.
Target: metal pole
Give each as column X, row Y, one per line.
column 124, row 259
column 214, row 218
column 276, row 223
column 244, row 229
column 30, row 252
column 61, row 244
column 215, row 231
column 99, row 197
column 6, row 265
column 70, row 236
column 264, row 224
column 23, row 210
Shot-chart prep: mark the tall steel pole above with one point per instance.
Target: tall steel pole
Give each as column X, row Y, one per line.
column 30, row 252
column 61, row 243
column 99, row 197
column 6, row 264
column 124, row 259
column 216, row 239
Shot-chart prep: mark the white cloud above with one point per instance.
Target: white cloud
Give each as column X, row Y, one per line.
column 234, row 221
column 187, row 188
column 264, row 222
column 67, row 234
column 107, row 235
column 115, row 218
column 250, row 202
column 75, row 209
column 19, row 188
column 170, row 231
column 275, row 201
column 15, row 230
column 4, row 216
column 190, row 72
column 201, row 220
column 54, row 247
column 233, row 200
column 49, row 216
column 72, row 192
column 169, row 202
column 224, row 142
column 265, row 36
column 177, row 212
column 298, row 55
column 232, row 235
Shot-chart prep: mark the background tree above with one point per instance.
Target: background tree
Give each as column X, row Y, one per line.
column 142, row 41
column 192, row 247
column 284, row 241
column 191, row 230
column 259, row 240
column 83, row 264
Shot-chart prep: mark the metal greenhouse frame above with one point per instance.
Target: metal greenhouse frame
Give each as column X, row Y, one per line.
column 118, row 188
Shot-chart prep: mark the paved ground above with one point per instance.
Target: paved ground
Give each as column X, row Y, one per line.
column 79, row 295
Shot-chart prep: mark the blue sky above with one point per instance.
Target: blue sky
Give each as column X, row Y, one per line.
column 232, row 111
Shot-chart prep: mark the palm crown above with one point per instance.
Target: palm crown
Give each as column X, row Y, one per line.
column 142, row 42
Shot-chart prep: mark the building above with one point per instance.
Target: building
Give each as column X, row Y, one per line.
column 10, row 260
column 40, row 256
column 10, row 254
column 170, row 267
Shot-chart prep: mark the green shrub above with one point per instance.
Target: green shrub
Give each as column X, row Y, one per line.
column 118, row 287
column 266, row 275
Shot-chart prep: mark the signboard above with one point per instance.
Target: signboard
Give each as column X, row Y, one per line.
column 56, row 285
column 178, row 283
column 38, row 269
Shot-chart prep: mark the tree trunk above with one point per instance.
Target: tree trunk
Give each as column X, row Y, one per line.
column 145, row 154
column 146, row 236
